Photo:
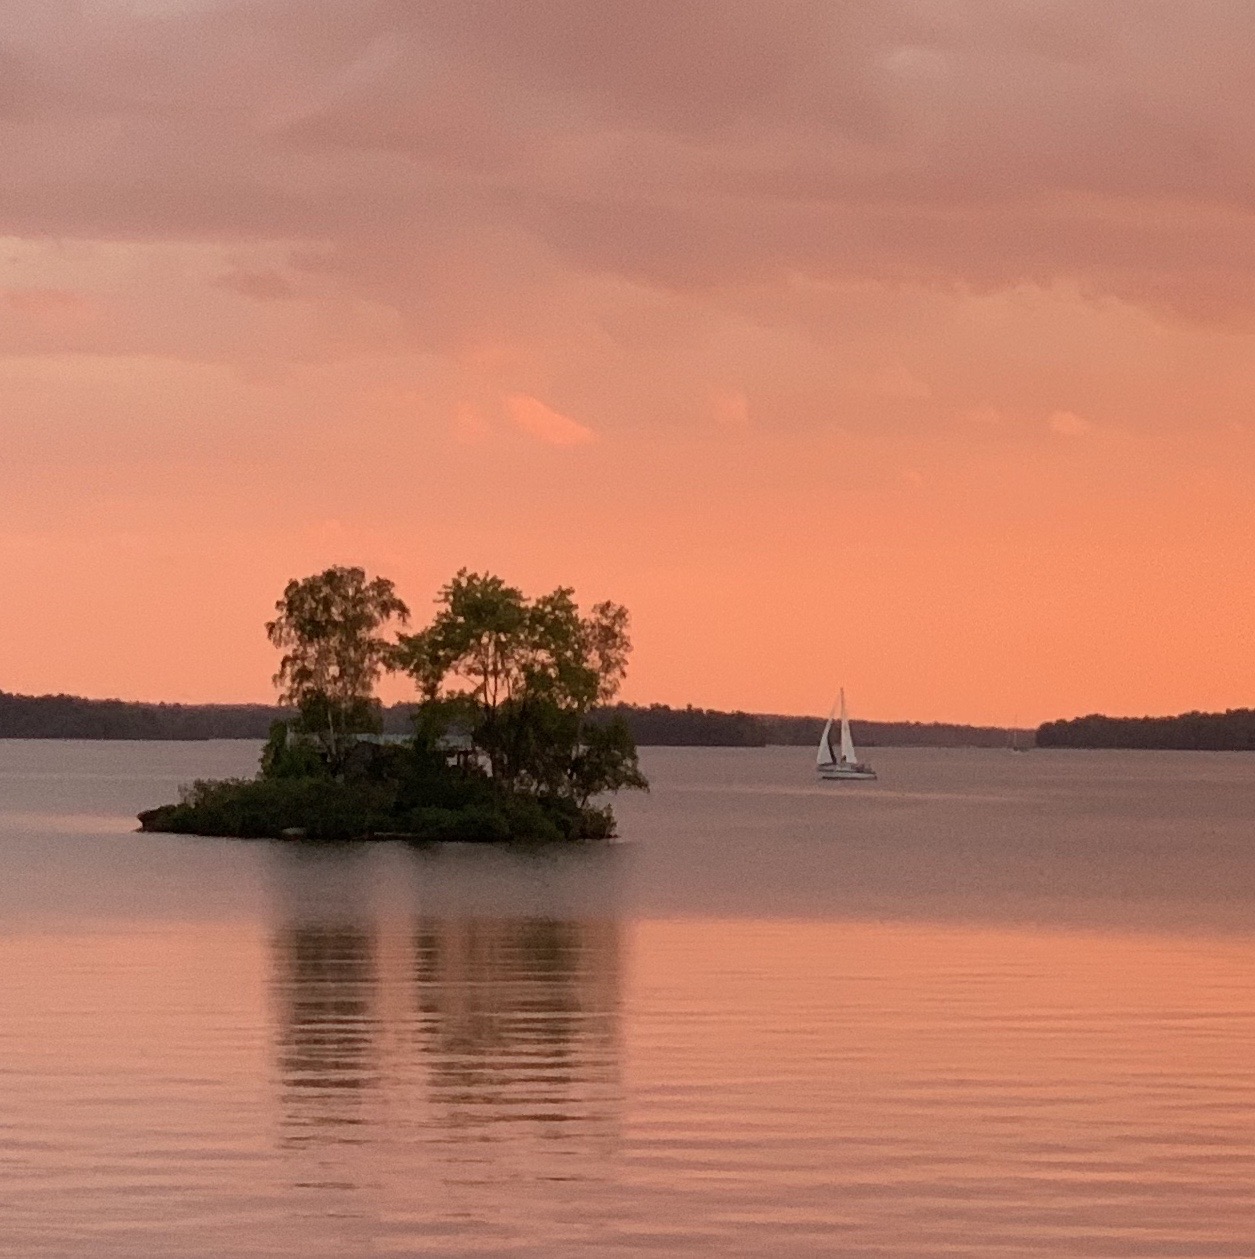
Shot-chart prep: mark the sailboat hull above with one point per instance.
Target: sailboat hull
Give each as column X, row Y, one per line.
column 847, row 773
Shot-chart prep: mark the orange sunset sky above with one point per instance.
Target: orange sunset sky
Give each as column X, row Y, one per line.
column 905, row 344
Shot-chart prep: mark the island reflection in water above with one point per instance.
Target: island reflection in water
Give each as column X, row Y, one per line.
column 431, row 1050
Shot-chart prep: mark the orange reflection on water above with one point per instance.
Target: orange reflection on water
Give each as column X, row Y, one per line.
column 357, row 1081
column 929, row 1089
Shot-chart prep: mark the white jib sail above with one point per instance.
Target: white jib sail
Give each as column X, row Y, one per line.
column 824, row 756
column 848, row 754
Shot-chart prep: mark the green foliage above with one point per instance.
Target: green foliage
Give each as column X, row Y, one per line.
column 492, row 645
column 477, row 637
column 519, row 676
column 544, row 821
column 529, row 742
column 321, row 808
column 329, row 628
column 419, row 807
column 288, row 757
column 605, row 760
column 473, row 824
column 541, row 749
column 503, row 745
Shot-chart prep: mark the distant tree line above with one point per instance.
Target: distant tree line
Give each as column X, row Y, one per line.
column 660, row 726
column 805, row 731
column 70, row 717
column 655, row 725
column 1232, row 731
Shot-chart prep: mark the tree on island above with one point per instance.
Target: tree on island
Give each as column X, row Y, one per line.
column 521, row 677
column 503, row 746
column 329, row 629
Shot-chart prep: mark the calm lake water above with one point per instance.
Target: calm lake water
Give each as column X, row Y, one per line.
column 992, row 1005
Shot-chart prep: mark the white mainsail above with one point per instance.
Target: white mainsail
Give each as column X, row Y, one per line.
column 848, row 754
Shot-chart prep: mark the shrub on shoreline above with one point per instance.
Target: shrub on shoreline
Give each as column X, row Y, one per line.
column 326, row 808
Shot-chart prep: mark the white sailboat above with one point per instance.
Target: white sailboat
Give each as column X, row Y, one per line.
column 845, row 766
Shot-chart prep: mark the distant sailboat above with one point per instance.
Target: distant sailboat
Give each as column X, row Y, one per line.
column 846, row 765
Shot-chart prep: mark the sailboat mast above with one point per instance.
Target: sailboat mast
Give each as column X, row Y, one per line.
column 848, row 754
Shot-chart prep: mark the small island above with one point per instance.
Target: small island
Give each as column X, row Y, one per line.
column 506, row 744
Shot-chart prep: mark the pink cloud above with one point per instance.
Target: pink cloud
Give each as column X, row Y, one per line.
column 546, row 424
column 691, row 144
